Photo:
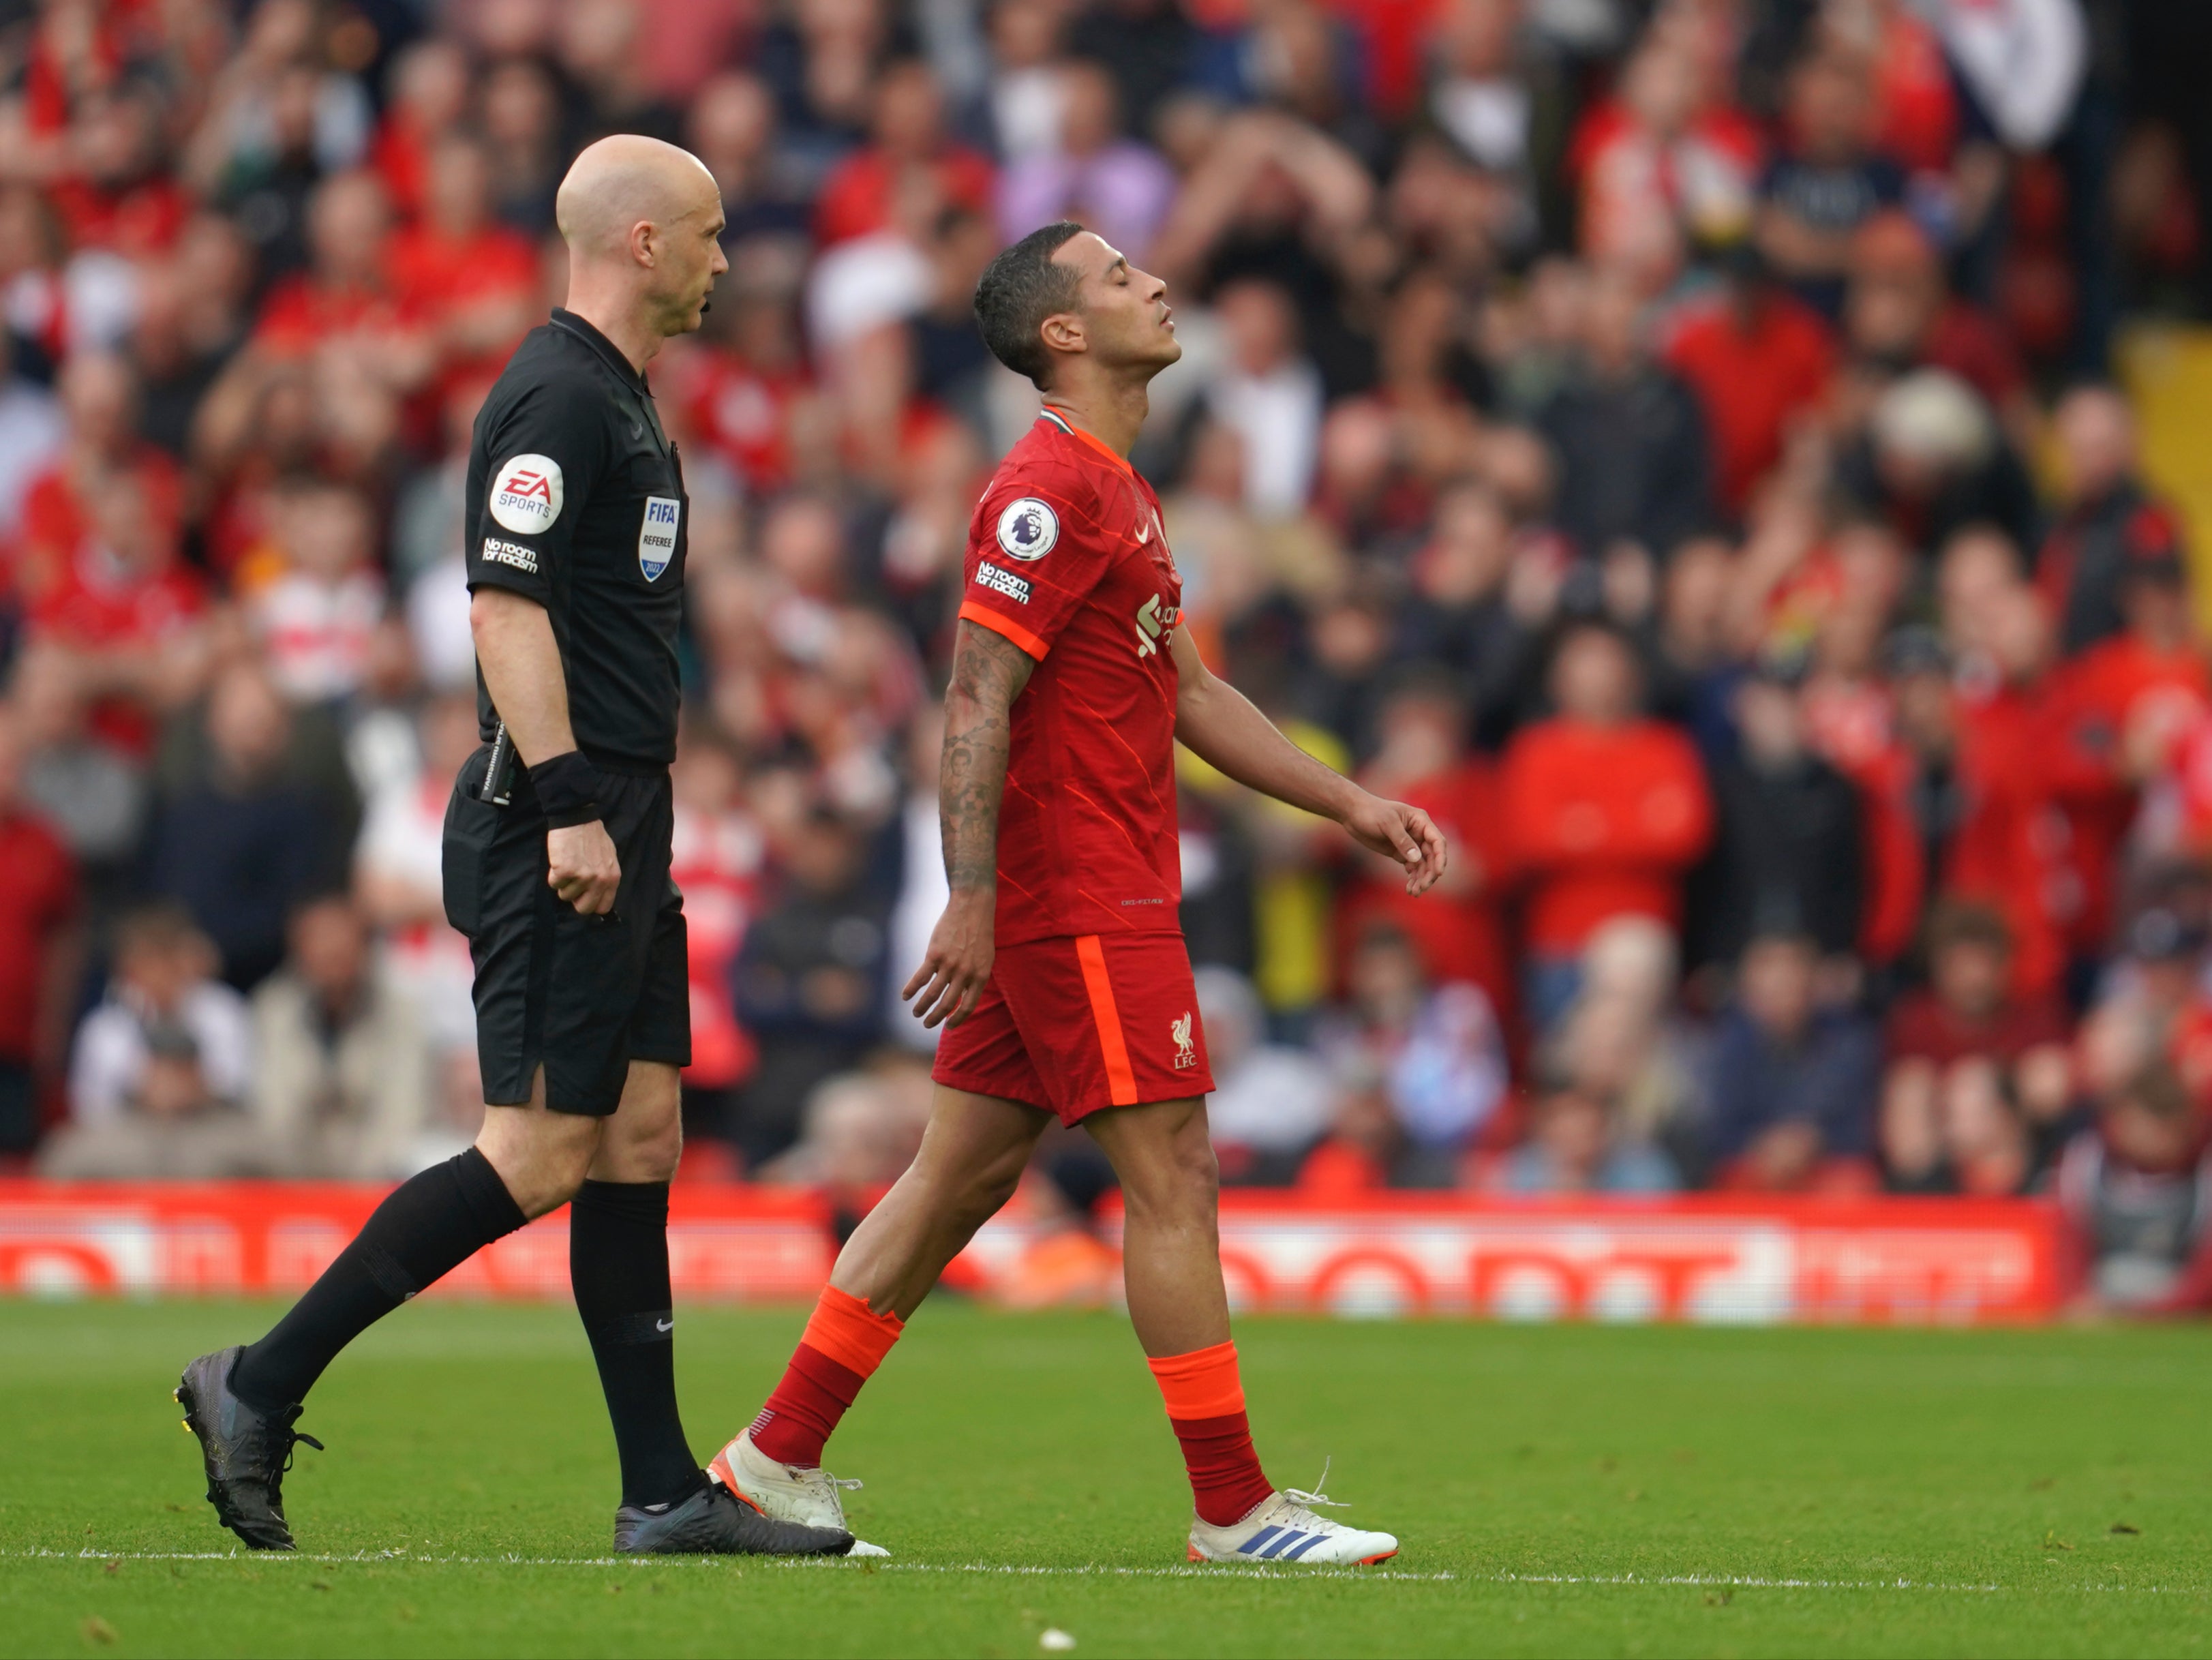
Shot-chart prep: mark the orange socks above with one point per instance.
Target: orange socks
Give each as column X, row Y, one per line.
column 1205, row 1408
column 842, row 1346
column 844, row 1343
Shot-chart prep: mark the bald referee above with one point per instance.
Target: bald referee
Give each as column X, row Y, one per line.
column 556, row 867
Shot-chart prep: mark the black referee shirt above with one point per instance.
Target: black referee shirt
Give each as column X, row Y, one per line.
column 575, row 500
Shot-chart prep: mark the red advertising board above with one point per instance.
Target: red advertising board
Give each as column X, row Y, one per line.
column 1698, row 1258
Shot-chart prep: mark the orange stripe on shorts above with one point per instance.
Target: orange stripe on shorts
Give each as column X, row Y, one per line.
column 1121, row 1081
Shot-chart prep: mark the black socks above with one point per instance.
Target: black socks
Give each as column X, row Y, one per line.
column 426, row 1226
column 618, row 1267
column 430, row 1225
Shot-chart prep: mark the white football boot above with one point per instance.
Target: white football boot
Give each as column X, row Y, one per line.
column 1283, row 1528
column 811, row 1497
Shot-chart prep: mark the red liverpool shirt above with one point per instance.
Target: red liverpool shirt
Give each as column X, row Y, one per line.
column 1067, row 559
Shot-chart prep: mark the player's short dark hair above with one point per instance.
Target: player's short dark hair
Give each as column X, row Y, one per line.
column 1020, row 289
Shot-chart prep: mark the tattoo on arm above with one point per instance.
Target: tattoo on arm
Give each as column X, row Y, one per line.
column 988, row 672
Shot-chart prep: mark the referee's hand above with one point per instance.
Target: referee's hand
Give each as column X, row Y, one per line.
column 951, row 979
column 581, row 866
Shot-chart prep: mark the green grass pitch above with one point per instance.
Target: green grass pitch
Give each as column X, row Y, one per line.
column 1566, row 1490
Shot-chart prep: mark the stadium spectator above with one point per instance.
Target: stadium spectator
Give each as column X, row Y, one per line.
column 32, row 429
column 238, row 839
column 1437, row 1047
column 1365, row 1148
column 2123, row 708
column 470, row 280
column 1828, row 180
column 733, row 133
column 2109, row 521
column 1623, row 1043
column 1423, row 758
column 1270, row 1104
column 1761, row 363
column 1635, row 459
column 276, row 122
column 1576, row 1145
column 718, row 868
column 1662, row 163
column 399, row 876
column 317, row 613
column 1504, row 104
column 163, row 985
column 1487, row 594
column 1964, row 1047
column 1790, row 838
column 428, row 87
column 520, row 106
column 1269, row 394
column 1120, row 187
column 599, row 50
column 1929, row 462
column 1899, row 315
column 1792, row 1085
column 857, row 1132
column 809, row 978
column 84, row 790
column 191, row 317
column 100, row 404
column 169, row 1125
column 341, row 1071
column 2133, row 1189
column 1605, row 812
column 909, row 142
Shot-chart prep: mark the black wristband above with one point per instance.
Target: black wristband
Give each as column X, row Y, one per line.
column 567, row 787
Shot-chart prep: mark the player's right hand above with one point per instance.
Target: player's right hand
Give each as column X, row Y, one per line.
column 581, row 867
column 946, row 987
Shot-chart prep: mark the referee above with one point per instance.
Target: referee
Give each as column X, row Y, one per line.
column 556, row 867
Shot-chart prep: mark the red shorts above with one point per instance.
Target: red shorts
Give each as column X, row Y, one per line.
column 1075, row 1025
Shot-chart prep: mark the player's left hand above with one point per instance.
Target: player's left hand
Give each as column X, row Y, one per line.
column 1400, row 832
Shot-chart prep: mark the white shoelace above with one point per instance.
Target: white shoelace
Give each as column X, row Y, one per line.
column 838, row 1486
column 1317, row 1498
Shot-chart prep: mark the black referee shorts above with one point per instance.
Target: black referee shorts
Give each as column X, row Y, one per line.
column 583, row 996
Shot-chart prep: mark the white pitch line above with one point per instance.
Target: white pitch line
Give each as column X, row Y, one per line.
column 1098, row 1570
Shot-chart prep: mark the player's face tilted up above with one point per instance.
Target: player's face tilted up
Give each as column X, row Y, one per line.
column 556, row 857
column 1121, row 320
column 1058, row 965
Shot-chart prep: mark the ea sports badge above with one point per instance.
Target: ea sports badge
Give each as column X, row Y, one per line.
column 1028, row 528
column 525, row 493
column 656, row 535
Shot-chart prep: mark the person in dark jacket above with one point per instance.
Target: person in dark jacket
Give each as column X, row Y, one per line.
column 1791, row 1085
column 1790, row 850
column 809, row 981
column 1635, row 460
column 2110, row 525
column 244, row 838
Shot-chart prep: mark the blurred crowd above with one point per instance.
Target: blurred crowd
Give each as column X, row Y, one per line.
column 1674, row 442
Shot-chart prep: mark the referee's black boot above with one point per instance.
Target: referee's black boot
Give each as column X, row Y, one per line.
column 710, row 1522
column 246, row 1450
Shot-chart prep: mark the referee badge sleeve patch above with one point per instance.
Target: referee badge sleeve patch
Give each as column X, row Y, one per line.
column 656, row 535
column 525, row 493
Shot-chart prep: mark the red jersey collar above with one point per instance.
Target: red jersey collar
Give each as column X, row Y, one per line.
column 1075, row 432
